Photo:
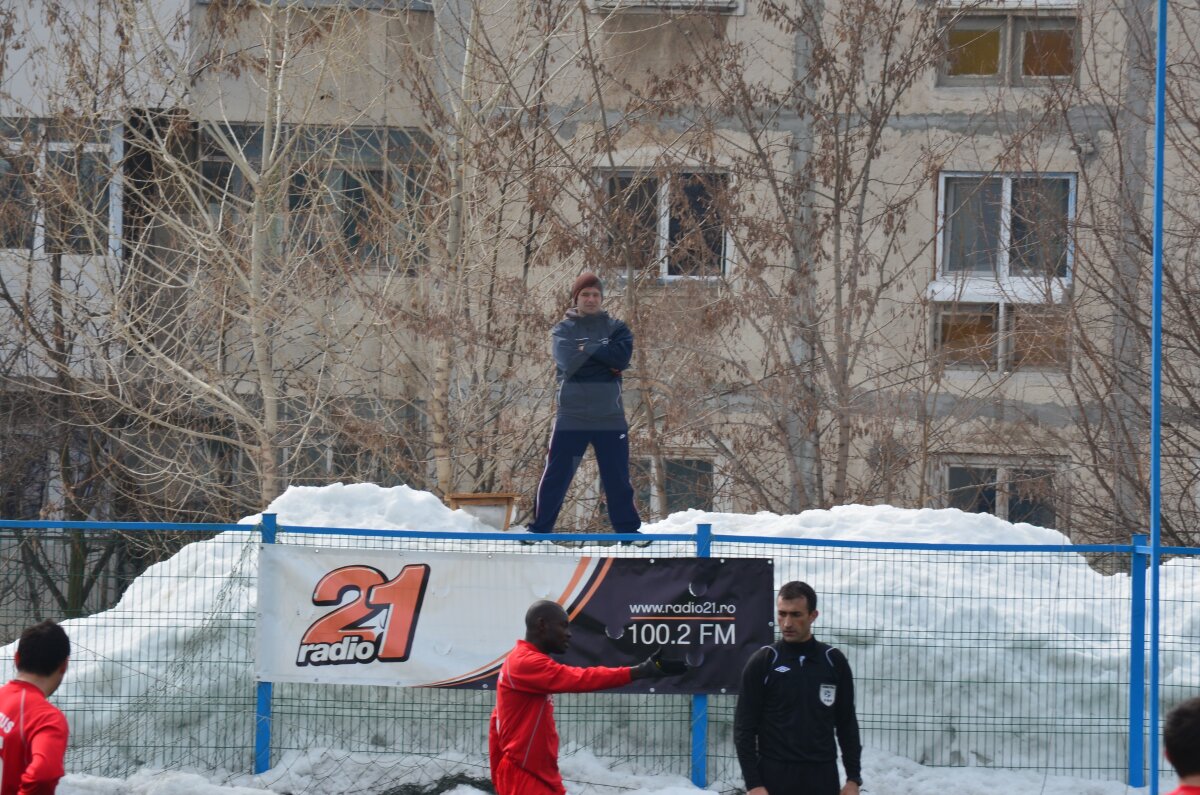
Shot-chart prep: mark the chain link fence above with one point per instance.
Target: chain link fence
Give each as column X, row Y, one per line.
column 963, row 656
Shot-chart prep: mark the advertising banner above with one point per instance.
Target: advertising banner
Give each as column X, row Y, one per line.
column 441, row 619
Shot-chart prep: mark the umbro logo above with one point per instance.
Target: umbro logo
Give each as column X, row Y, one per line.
column 783, row 669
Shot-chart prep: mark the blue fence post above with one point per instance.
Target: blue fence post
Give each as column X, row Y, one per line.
column 700, row 700
column 262, row 709
column 1137, row 662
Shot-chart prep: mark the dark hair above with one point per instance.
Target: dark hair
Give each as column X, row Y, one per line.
column 1181, row 738
column 796, row 590
column 43, row 648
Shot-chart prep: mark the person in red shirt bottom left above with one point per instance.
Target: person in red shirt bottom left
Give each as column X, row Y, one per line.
column 33, row 732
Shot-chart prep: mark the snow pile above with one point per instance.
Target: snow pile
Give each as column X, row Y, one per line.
column 365, row 505
column 867, row 523
column 938, row 641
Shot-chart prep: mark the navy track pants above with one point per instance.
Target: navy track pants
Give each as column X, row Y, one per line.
column 566, row 452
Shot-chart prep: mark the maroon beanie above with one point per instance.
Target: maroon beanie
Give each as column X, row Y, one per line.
column 582, row 282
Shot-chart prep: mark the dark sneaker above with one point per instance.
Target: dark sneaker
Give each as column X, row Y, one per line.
column 534, row 538
column 641, row 542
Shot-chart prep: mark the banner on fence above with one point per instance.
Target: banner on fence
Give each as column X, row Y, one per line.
column 439, row 619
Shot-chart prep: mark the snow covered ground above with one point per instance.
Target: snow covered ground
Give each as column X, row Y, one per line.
column 883, row 774
column 223, row 570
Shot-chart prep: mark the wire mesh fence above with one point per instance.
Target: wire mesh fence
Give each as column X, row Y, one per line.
column 1016, row 659
column 961, row 658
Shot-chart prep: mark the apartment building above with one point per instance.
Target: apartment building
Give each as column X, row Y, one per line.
column 870, row 251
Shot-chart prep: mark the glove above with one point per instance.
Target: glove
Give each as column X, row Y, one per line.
column 655, row 666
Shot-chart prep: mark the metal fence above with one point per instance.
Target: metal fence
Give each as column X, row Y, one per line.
column 1016, row 657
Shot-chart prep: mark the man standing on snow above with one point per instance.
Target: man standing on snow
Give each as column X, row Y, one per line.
column 33, row 732
column 1181, row 742
column 797, row 696
column 591, row 350
column 522, row 738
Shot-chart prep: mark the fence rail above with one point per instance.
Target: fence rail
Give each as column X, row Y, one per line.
column 1008, row 656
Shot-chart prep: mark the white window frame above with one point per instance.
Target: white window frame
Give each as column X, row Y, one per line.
column 1005, row 466
column 951, row 289
column 998, row 287
column 663, row 219
column 113, row 151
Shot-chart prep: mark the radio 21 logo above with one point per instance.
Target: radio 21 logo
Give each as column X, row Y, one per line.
column 378, row 624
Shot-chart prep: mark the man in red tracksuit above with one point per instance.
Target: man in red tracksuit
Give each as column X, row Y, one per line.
column 33, row 733
column 522, row 738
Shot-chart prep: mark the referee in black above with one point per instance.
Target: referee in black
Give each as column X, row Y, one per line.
column 797, row 696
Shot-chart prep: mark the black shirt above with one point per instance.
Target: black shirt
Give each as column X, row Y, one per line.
column 795, row 698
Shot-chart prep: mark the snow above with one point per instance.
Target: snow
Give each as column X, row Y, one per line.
column 867, row 523
column 365, row 505
column 883, row 774
column 223, row 581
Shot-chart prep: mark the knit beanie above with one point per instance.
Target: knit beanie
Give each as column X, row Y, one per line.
column 582, row 282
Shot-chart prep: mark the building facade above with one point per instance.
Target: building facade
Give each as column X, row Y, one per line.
column 871, row 251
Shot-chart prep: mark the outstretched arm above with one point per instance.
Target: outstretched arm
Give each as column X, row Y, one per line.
column 544, row 675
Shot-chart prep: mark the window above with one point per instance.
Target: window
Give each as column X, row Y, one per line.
column 364, row 209
column 687, row 483
column 672, row 226
column 1018, row 493
column 308, row 465
column 1004, row 267
column 1006, row 226
column 377, row 441
column 76, row 197
column 1002, row 336
column 1018, row 48
column 56, row 199
column 361, row 213
column 968, row 335
column 16, row 202
column 24, row 476
column 1040, row 209
column 353, row 195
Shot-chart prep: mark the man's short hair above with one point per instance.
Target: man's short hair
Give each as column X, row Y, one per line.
column 42, row 648
column 796, row 590
column 1181, row 737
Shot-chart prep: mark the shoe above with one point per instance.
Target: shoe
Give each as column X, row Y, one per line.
column 531, row 541
column 641, row 542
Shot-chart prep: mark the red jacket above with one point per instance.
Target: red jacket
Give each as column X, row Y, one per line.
column 33, row 741
column 522, row 728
